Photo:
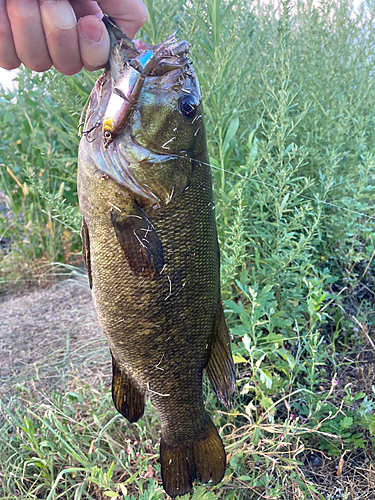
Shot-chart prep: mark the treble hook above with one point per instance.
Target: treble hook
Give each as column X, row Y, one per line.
column 87, row 132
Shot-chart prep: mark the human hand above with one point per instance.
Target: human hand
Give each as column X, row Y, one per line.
column 42, row 33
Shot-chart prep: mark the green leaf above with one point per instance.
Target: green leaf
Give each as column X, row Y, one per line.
column 346, row 422
column 8, row 117
column 252, row 145
column 284, row 202
column 238, row 358
column 231, row 131
column 132, row 478
column 110, row 494
column 74, row 397
column 265, row 377
column 201, row 493
column 273, row 338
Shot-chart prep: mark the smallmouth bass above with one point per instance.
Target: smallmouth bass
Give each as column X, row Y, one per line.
column 151, row 251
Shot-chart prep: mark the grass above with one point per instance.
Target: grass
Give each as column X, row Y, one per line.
column 73, row 445
column 288, row 94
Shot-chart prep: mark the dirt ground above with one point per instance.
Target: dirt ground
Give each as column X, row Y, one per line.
column 51, row 335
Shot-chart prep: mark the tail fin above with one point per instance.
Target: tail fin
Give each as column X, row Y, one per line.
column 201, row 459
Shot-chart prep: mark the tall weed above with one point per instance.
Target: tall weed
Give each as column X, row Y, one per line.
column 288, row 92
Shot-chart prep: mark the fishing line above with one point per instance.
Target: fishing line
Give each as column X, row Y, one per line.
column 275, row 187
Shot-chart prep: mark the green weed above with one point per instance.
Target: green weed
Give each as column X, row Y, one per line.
column 288, row 93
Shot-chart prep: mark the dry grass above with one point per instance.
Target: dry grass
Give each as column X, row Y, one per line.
column 51, row 335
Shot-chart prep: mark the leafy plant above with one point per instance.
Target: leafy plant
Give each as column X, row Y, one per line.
column 286, row 91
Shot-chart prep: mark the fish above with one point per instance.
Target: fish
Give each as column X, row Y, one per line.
column 149, row 242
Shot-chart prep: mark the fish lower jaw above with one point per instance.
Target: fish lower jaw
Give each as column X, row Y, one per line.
column 112, row 163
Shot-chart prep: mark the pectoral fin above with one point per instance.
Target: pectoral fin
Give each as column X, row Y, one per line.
column 139, row 241
column 129, row 400
column 86, row 249
column 220, row 367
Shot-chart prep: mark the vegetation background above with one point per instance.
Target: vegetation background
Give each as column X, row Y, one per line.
column 289, row 99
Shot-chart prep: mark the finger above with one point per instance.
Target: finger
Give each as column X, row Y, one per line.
column 60, row 29
column 93, row 42
column 86, row 8
column 28, row 36
column 8, row 55
column 130, row 15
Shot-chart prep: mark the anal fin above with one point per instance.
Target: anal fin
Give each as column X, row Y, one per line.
column 220, row 367
column 129, row 400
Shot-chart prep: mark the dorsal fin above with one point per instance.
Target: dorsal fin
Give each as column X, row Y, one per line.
column 220, row 367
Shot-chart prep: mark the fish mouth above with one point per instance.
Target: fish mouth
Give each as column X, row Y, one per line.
column 107, row 137
column 123, row 160
column 129, row 72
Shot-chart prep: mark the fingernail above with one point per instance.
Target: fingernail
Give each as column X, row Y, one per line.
column 93, row 42
column 92, row 32
column 99, row 15
column 57, row 15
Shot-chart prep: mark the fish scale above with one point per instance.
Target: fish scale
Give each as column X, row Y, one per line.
column 153, row 259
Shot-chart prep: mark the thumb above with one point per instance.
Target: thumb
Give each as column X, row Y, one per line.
column 129, row 15
column 93, row 42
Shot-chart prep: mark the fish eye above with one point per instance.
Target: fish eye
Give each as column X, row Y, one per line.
column 188, row 106
column 107, row 138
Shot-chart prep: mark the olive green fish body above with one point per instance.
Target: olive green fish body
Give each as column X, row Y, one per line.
column 153, row 262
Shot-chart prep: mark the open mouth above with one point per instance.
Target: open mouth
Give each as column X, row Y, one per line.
column 110, row 144
column 122, row 159
column 151, row 61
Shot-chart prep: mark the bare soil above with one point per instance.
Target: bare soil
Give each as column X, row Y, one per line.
column 50, row 336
